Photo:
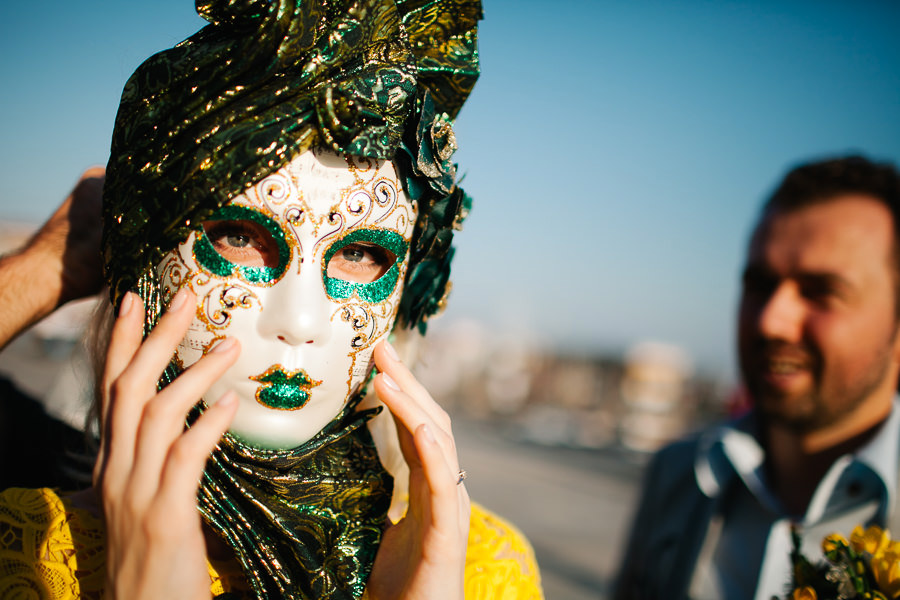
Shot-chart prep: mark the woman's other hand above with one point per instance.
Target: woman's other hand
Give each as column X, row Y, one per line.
column 423, row 556
column 149, row 466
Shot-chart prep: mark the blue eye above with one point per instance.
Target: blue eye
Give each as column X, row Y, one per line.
column 360, row 262
column 352, row 254
column 241, row 241
column 365, row 262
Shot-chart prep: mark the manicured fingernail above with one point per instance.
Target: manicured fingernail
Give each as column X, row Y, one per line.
column 388, row 381
column 178, row 301
column 426, row 431
column 229, row 399
column 126, row 304
column 223, row 346
column 390, row 351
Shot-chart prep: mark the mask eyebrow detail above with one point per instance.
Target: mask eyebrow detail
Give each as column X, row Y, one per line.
column 375, row 291
column 209, row 259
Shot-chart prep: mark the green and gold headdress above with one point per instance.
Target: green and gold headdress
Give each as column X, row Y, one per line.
column 268, row 79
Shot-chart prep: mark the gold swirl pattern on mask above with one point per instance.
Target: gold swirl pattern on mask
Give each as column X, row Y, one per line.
column 274, row 190
column 365, row 318
column 358, row 316
column 369, row 321
column 351, row 314
column 221, row 301
column 174, row 272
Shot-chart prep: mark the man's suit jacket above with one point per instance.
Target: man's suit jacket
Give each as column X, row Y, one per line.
column 670, row 526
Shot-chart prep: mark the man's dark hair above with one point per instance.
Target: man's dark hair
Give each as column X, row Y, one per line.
column 822, row 181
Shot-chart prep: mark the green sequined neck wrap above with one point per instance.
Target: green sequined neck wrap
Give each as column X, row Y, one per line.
column 304, row 524
column 267, row 80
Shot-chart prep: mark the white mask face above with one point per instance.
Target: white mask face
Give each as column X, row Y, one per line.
column 305, row 269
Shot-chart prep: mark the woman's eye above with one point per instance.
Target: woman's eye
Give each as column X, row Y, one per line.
column 353, row 254
column 243, row 243
column 237, row 240
column 360, row 262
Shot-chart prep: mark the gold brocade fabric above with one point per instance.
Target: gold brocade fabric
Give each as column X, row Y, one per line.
column 50, row 550
column 304, row 523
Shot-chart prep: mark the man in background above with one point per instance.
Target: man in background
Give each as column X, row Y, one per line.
column 819, row 347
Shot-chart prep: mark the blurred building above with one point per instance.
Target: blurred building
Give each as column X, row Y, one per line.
column 640, row 401
column 655, row 393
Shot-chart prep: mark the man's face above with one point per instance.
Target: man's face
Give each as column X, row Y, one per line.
column 817, row 326
column 305, row 269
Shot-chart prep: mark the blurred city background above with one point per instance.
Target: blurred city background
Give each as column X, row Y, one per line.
column 617, row 154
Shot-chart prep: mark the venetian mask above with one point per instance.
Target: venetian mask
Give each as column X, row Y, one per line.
column 305, row 269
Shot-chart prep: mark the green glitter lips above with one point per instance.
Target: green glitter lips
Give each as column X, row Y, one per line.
column 283, row 389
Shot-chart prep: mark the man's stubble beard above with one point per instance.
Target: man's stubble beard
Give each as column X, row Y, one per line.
column 825, row 402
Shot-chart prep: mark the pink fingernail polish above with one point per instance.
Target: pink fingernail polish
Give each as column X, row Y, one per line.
column 390, row 351
column 223, row 346
column 388, row 380
column 126, row 304
column 178, row 301
column 229, row 399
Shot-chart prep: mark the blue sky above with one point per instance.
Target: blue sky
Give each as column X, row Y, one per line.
column 617, row 151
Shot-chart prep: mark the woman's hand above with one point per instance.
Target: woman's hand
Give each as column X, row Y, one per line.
column 149, row 467
column 423, row 556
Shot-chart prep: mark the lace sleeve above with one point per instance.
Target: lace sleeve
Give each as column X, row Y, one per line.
column 499, row 561
column 38, row 543
column 48, row 550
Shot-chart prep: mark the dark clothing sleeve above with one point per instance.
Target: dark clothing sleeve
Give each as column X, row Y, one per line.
column 37, row 450
column 668, row 529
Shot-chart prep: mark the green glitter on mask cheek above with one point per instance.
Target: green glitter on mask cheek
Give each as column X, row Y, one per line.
column 218, row 265
column 375, row 291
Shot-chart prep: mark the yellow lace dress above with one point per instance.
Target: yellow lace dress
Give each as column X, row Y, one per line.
column 49, row 549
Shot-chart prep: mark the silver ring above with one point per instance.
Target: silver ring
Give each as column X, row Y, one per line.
column 461, row 476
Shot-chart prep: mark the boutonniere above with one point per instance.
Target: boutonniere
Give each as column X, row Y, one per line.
column 865, row 567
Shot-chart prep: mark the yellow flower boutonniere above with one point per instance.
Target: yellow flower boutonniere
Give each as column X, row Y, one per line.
column 865, row 567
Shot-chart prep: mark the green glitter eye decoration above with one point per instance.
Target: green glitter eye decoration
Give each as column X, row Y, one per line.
column 244, row 236
column 382, row 240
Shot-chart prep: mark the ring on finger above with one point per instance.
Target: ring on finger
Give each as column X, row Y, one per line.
column 461, row 476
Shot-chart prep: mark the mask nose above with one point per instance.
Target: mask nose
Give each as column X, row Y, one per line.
column 296, row 309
